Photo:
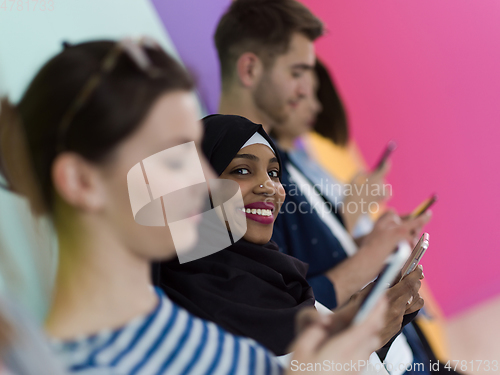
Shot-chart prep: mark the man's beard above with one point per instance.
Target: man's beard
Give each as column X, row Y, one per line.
column 269, row 102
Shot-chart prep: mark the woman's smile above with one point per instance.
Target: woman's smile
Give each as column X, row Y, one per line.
column 261, row 212
column 256, row 169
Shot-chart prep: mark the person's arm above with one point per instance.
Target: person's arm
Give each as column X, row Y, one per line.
column 355, row 272
column 362, row 187
column 331, row 339
column 403, row 299
column 324, row 290
column 359, row 240
column 326, row 338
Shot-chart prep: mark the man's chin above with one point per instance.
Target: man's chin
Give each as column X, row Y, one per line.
column 280, row 117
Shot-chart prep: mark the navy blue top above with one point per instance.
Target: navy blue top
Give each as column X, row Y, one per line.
column 304, row 235
column 168, row 340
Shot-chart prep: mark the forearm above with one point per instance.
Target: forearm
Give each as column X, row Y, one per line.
column 354, row 273
column 359, row 240
column 350, row 218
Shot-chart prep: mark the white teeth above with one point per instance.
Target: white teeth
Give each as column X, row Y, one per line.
column 258, row 211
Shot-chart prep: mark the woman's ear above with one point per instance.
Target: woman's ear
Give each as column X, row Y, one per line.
column 249, row 68
column 78, row 182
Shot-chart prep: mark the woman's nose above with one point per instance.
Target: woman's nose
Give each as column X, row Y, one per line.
column 266, row 187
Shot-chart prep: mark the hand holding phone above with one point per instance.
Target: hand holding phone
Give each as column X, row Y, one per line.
column 424, row 206
column 391, row 146
column 416, row 256
column 393, row 266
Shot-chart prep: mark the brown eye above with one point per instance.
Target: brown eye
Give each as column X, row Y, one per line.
column 241, row 171
column 273, row 174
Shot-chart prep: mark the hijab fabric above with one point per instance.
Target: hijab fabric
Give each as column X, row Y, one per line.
column 225, row 135
column 249, row 289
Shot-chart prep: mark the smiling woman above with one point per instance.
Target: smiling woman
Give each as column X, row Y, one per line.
column 256, row 169
column 249, row 288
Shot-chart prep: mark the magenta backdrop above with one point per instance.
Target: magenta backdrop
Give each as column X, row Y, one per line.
column 427, row 74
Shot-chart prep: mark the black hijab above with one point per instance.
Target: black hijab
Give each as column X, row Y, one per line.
column 225, row 135
column 248, row 289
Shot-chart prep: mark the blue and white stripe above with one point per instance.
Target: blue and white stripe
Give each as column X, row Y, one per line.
column 167, row 341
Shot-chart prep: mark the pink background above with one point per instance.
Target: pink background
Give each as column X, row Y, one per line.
column 426, row 73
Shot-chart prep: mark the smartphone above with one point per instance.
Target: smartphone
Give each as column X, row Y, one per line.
column 424, row 206
column 389, row 273
column 391, row 146
column 416, row 256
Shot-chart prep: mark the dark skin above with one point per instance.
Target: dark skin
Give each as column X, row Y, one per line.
column 358, row 270
column 256, row 165
column 397, row 297
column 255, row 168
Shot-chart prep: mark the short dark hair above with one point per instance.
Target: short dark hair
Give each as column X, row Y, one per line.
column 263, row 27
column 29, row 131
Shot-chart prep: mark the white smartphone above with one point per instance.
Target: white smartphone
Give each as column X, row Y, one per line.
column 390, row 271
column 416, row 255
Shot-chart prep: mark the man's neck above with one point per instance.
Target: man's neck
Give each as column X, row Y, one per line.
column 286, row 143
column 237, row 102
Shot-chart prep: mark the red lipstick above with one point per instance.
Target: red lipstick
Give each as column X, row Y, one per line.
column 260, row 218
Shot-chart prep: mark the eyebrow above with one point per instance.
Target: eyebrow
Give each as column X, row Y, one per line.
column 254, row 158
column 247, row 156
column 303, row 66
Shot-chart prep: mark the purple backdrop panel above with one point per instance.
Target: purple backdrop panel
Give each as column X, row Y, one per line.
column 191, row 25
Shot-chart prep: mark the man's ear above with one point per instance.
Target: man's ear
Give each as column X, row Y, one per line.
column 249, row 68
column 78, row 182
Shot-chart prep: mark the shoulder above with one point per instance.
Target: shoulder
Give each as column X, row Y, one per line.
column 170, row 340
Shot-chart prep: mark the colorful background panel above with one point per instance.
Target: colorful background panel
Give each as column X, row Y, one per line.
column 423, row 73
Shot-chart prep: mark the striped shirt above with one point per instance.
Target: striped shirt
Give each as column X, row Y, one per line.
column 167, row 341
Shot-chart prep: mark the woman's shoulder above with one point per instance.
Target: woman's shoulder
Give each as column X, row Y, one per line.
column 169, row 340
